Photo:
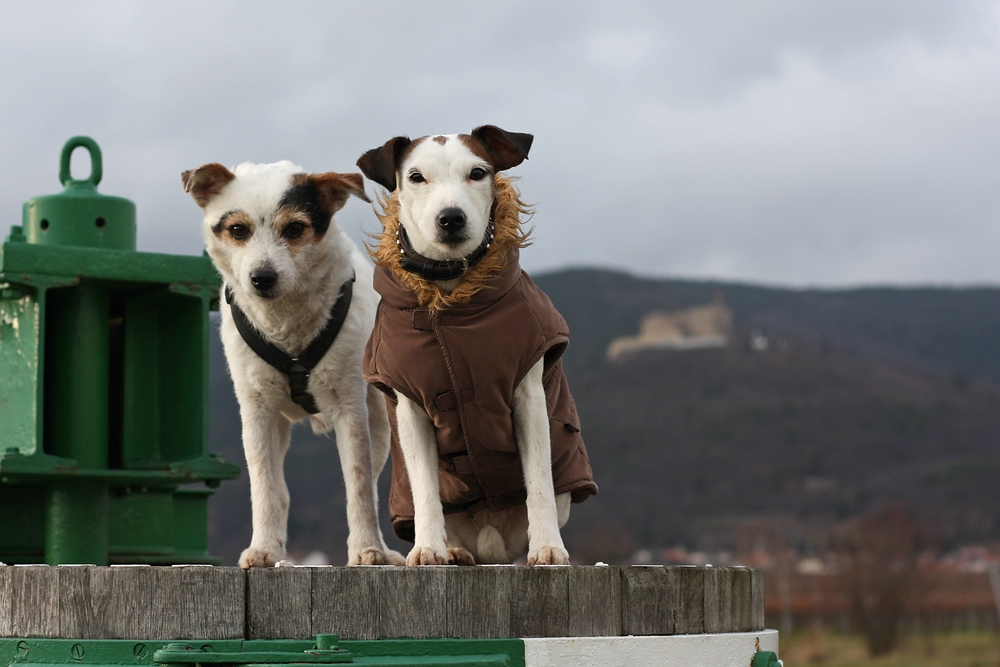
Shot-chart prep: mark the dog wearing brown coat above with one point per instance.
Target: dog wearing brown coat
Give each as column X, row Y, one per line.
column 487, row 453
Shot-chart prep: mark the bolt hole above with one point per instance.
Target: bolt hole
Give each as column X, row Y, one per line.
column 100, row 223
column 44, row 225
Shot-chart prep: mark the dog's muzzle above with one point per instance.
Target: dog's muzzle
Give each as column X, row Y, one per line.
column 451, row 223
column 263, row 280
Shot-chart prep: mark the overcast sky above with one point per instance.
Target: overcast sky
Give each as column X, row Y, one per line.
column 795, row 143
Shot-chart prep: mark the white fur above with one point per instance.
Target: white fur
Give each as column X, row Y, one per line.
column 490, row 537
column 308, row 284
column 446, row 170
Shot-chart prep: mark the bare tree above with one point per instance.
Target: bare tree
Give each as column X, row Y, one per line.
column 877, row 564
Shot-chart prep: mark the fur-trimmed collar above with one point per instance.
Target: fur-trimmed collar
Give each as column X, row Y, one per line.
column 396, row 293
column 509, row 236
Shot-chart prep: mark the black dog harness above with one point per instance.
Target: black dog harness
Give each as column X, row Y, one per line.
column 296, row 368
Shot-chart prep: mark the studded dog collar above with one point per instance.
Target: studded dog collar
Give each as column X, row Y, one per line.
column 442, row 269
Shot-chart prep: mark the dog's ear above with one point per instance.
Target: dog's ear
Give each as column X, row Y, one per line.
column 506, row 149
column 206, row 182
column 334, row 189
column 380, row 164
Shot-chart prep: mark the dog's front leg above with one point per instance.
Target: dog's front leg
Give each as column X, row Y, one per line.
column 419, row 445
column 531, row 427
column 265, row 442
column 364, row 541
column 378, row 428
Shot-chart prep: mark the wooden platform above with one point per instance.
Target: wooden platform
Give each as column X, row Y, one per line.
column 194, row 602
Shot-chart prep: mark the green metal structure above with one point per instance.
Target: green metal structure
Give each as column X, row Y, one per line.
column 326, row 650
column 103, row 386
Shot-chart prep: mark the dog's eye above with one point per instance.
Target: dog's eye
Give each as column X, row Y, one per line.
column 416, row 177
column 294, row 230
column 478, row 174
column 239, row 232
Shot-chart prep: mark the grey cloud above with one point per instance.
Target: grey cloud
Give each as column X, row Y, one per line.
column 802, row 143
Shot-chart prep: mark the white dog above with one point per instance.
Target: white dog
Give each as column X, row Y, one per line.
column 290, row 289
column 487, row 453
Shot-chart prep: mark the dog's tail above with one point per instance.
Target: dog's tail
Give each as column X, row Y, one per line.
column 490, row 547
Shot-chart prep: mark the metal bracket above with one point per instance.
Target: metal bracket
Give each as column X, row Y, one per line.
column 325, row 653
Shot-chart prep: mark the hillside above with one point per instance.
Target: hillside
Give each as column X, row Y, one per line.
column 689, row 446
column 954, row 330
column 868, row 396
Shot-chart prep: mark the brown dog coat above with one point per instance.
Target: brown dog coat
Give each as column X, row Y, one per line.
column 462, row 364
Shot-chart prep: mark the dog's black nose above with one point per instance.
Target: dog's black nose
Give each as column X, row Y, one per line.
column 263, row 279
column 451, row 219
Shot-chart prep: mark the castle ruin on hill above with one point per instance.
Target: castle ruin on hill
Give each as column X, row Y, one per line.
column 699, row 327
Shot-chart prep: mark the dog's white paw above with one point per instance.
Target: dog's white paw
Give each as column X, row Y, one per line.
column 427, row 556
column 369, row 556
column 258, row 557
column 394, row 557
column 460, row 556
column 548, row 556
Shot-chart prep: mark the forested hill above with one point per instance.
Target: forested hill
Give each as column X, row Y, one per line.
column 865, row 397
column 956, row 330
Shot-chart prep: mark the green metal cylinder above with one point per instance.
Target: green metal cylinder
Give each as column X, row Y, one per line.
column 77, row 368
column 76, row 422
column 79, row 215
column 76, row 527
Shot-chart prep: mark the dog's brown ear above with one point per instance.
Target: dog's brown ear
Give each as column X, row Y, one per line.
column 206, row 182
column 334, row 189
column 506, row 149
column 380, row 164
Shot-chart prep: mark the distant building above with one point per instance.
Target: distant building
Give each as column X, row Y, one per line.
column 758, row 341
column 694, row 328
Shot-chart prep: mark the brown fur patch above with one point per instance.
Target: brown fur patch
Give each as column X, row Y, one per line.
column 287, row 216
column 477, row 148
column 409, row 149
column 382, row 164
column 506, row 149
column 334, row 189
column 441, row 139
column 235, row 218
column 405, row 155
column 509, row 234
column 206, row 182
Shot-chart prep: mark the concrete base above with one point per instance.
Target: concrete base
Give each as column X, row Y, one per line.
column 733, row 649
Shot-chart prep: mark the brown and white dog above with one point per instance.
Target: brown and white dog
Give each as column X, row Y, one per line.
column 448, row 253
column 270, row 231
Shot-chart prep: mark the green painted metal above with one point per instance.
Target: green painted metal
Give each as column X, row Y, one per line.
column 76, row 523
column 27, row 263
column 79, row 215
column 77, row 366
column 765, row 659
column 179, row 653
column 20, row 359
column 103, row 386
column 29, row 652
column 77, row 352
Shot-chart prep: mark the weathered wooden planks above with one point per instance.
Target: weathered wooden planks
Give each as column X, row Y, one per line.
column 346, row 601
column 279, row 603
column 719, row 599
column 32, row 596
column 687, row 584
column 138, row 602
column 373, row 602
column 647, row 601
column 479, row 602
column 595, row 602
